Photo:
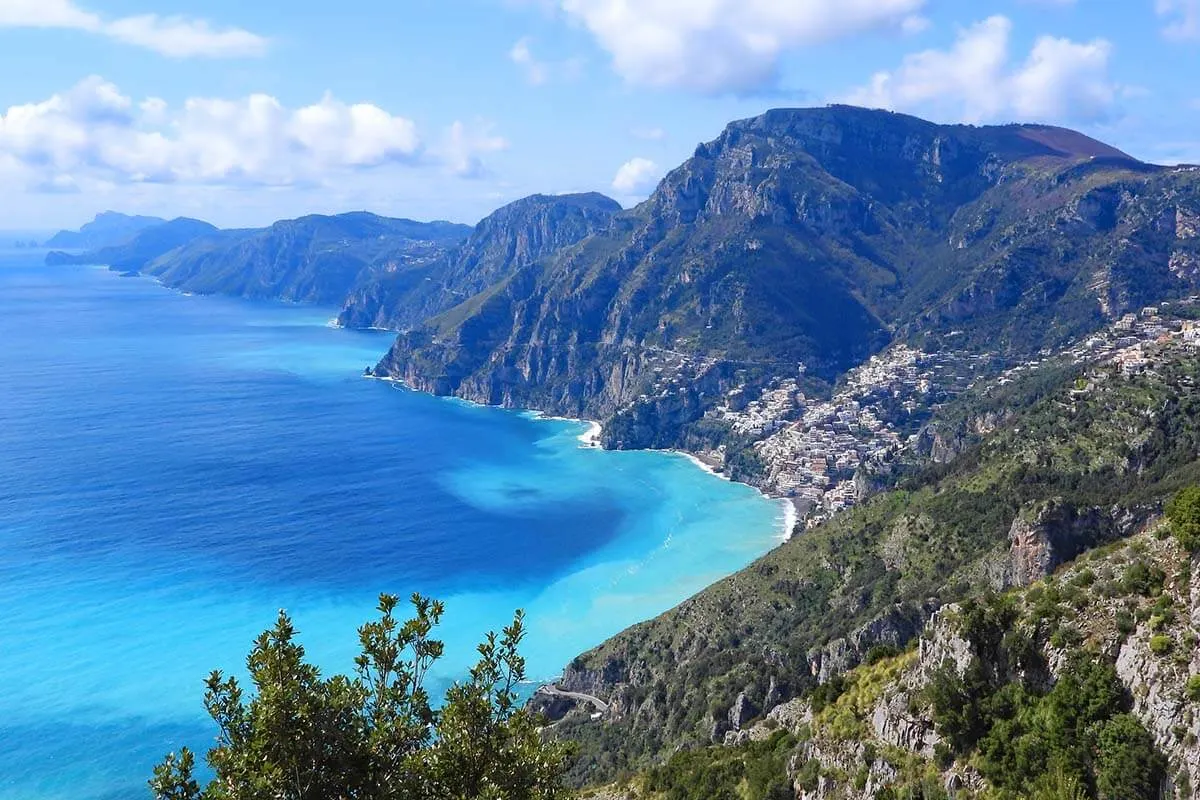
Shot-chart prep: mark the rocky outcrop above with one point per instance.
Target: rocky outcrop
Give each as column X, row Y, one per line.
column 895, row 628
column 941, row 444
column 1049, row 534
column 742, row 711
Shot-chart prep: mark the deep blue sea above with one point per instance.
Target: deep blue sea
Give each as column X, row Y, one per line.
column 174, row 469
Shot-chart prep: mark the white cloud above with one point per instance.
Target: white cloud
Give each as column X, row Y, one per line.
column 535, row 71
column 45, row 14
column 1182, row 16
column 637, row 176
column 462, row 149
column 914, row 24
column 976, row 81
column 724, row 45
column 177, row 37
column 94, row 133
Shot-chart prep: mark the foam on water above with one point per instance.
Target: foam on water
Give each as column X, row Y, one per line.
column 174, row 469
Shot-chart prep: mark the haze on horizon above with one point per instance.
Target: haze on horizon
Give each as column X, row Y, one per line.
column 240, row 115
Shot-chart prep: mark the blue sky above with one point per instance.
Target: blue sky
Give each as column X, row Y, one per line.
column 242, row 113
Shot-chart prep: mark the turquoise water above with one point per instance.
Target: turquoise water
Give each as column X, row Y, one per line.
column 174, row 469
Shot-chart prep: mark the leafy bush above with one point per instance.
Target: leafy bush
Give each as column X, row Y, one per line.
column 1127, row 765
column 881, row 651
column 1193, row 688
column 1160, row 644
column 1142, row 579
column 375, row 735
column 756, row 769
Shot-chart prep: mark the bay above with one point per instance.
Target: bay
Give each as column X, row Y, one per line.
column 175, row 469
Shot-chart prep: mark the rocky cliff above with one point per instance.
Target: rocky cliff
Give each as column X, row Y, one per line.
column 510, row 239
column 1079, row 685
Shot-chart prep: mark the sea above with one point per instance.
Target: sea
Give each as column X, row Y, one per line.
column 176, row 469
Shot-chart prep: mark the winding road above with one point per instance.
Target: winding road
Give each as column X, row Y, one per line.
column 554, row 691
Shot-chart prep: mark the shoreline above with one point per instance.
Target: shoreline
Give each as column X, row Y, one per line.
column 590, row 439
column 791, row 514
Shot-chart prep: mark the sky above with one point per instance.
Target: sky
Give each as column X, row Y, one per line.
column 244, row 113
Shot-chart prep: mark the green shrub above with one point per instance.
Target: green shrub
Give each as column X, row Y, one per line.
column 1193, row 688
column 347, row 736
column 1083, row 578
column 1142, row 579
column 881, row 651
column 1183, row 512
column 756, row 768
column 1127, row 765
column 1160, row 644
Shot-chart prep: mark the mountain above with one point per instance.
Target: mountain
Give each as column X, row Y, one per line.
column 1075, row 457
column 109, row 228
column 513, row 237
column 805, row 241
column 145, row 246
column 317, row 259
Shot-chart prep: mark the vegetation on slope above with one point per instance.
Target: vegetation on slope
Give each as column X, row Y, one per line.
column 1071, row 471
column 1081, row 686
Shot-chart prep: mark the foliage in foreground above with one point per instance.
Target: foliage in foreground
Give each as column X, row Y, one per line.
column 373, row 735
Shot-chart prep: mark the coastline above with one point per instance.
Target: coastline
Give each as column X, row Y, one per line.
column 791, row 514
column 591, row 438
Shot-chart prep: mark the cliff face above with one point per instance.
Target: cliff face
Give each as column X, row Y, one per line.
column 809, row 239
column 1076, row 686
column 510, row 239
column 897, row 723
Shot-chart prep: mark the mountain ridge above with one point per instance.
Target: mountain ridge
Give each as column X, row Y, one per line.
column 507, row 240
column 808, row 240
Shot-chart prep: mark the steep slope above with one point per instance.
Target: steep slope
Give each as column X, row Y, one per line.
column 1067, row 469
column 144, row 247
column 109, row 228
column 1080, row 686
column 316, row 259
column 806, row 240
column 515, row 236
